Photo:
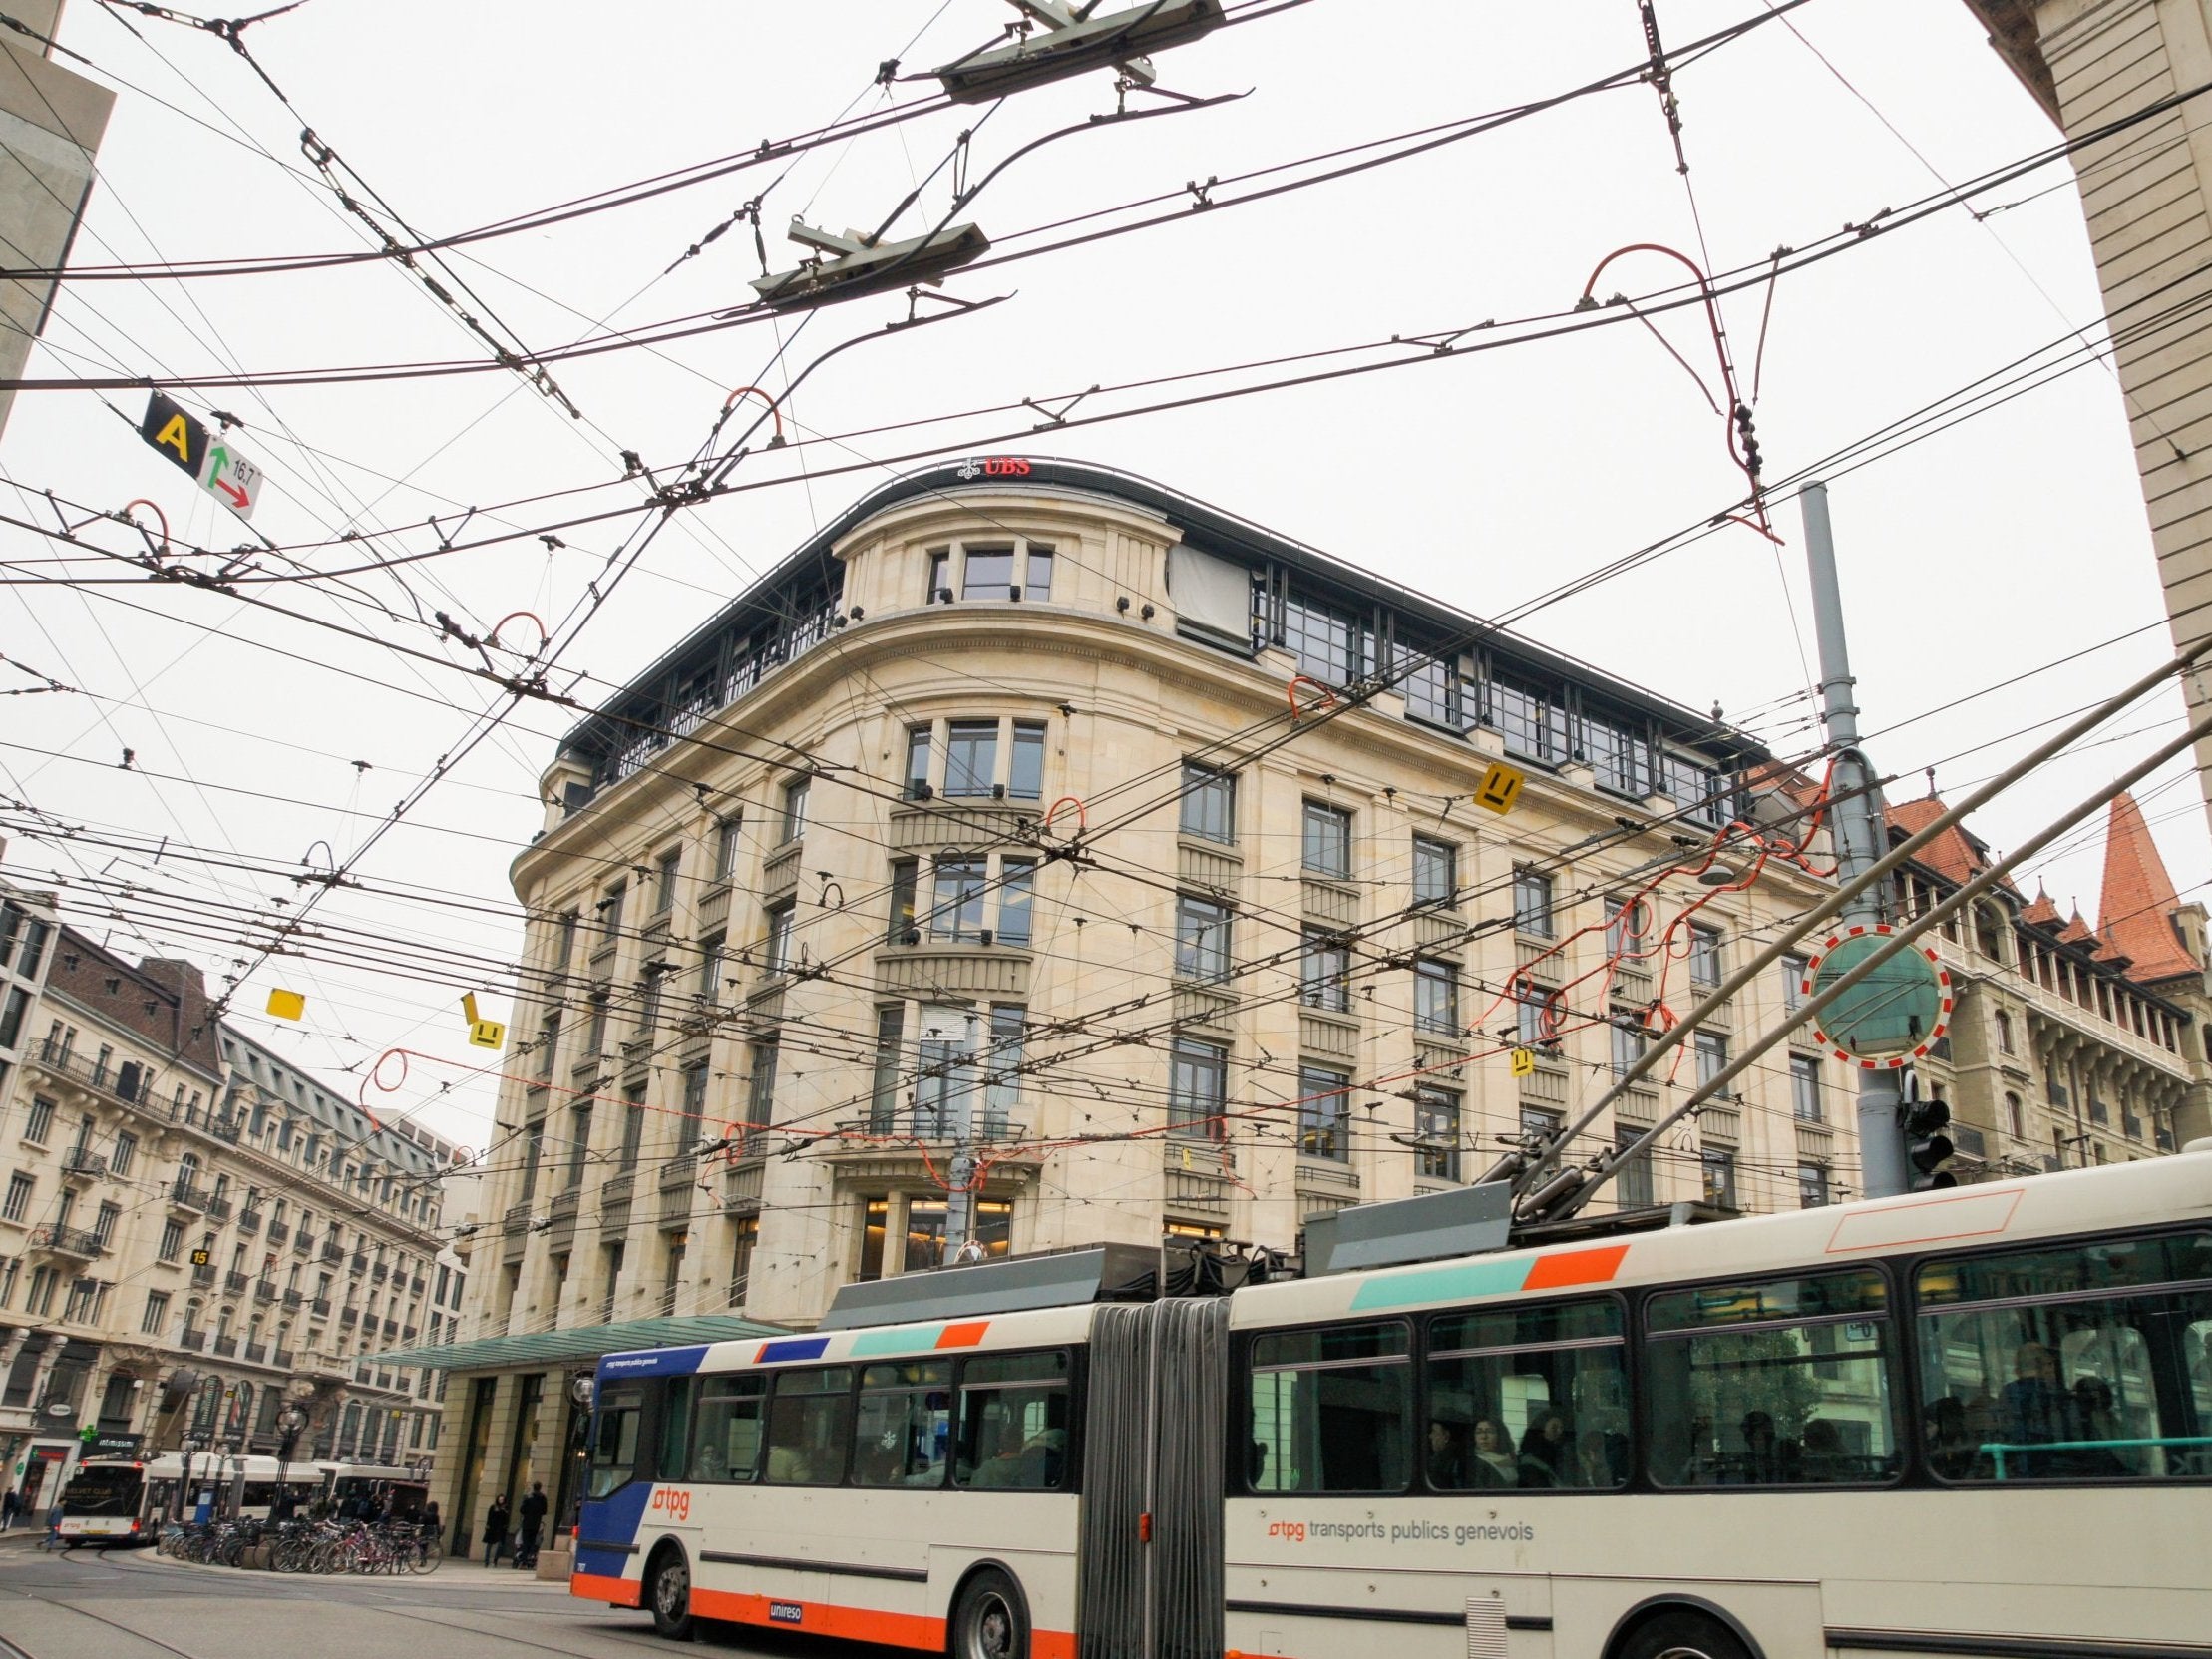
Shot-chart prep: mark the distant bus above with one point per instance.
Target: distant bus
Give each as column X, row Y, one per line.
column 106, row 1504
column 1963, row 1423
column 124, row 1500
column 408, row 1492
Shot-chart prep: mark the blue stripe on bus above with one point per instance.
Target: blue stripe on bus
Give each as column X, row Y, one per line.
column 903, row 1340
column 1441, row 1284
column 612, row 1520
column 793, row 1347
column 657, row 1362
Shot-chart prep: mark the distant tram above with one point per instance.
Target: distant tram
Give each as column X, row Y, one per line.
column 1974, row 1421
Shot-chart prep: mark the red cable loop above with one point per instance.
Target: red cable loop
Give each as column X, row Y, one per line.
column 1326, row 700
column 543, row 638
column 151, row 508
column 775, row 413
column 1083, row 813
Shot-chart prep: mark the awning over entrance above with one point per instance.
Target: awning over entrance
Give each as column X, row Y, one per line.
column 584, row 1342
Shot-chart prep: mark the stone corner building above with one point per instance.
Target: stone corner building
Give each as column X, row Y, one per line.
column 806, row 934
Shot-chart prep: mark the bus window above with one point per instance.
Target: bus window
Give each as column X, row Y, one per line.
column 1014, row 1416
column 2081, row 1361
column 1332, row 1411
column 810, row 1423
column 675, row 1427
column 1782, row 1382
column 904, row 1422
column 615, row 1439
column 728, row 1443
column 1528, row 1398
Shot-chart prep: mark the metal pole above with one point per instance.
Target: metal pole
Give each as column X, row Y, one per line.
column 1882, row 1170
column 959, row 1209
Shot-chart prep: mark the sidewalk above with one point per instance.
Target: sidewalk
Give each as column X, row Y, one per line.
column 452, row 1573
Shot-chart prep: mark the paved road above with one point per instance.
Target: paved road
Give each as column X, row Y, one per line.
column 130, row 1605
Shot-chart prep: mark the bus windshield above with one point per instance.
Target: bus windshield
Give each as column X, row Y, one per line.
column 105, row 1491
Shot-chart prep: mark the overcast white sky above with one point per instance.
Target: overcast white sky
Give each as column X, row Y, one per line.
column 2010, row 539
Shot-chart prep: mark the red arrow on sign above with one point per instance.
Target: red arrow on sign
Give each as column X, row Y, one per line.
column 237, row 495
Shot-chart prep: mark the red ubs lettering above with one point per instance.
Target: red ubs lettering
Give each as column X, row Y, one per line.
column 1006, row 467
column 676, row 1506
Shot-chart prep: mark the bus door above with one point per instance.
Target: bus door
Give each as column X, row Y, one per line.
column 1166, row 1462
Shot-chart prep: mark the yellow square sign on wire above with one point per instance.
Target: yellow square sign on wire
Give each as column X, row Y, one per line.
column 1501, row 787
column 1524, row 1063
column 287, row 1004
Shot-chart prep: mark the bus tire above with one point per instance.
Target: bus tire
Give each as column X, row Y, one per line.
column 1682, row 1633
column 668, row 1593
column 990, row 1620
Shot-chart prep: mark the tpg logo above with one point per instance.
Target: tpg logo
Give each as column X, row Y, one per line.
column 676, row 1506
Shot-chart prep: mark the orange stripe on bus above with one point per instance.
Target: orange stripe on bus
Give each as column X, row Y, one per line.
column 856, row 1624
column 1575, row 1266
column 619, row 1592
column 963, row 1336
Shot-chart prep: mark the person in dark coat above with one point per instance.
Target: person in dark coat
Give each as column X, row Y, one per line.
column 533, row 1513
column 494, row 1530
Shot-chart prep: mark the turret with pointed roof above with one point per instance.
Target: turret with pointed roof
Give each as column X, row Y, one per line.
column 2135, row 909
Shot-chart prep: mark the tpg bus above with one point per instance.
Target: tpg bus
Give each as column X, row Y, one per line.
column 1973, row 1422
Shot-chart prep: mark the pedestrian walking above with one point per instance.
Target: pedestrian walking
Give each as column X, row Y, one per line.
column 11, row 1505
column 533, row 1515
column 54, row 1519
column 494, row 1530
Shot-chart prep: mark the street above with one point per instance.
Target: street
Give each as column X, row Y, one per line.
column 135, row 1605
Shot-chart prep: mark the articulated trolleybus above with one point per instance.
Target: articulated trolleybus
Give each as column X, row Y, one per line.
column 1968, row 1422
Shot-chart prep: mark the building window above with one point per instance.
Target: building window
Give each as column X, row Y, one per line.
column 1804, row 1089
column 1437, row 1129
column 1704, row 956
column 1002, row 1077
column 1435, row 871
column 745, row 1238
column 1026, row 775
column 124, row 1155
column 1712, row 1059
column 1018, row 893
column 633, row 1127
column 883, row 1107
column 17, row 1204
column 173, row 1241
column 1322, row 968
column 1628, row 1041
column 1437, row 997
column 1625, row 922
column 1326, row 843
column 918, row 762
column 1535, row 1021
column 970, row 757
column 795, row 810
column 776, row 955
column 610, row 917
column 1436, row 693
column 760, row 1090
column 594, row 1033
column 2014, row 1124
column 905, row 873
column 2003, row 1033
column 665, row 880
column 1718, row 1165
column 1632, row 1186
column 1812, row 1186
column 156, row 1313
column 1328, row 646
column 1198, row 1088
column 104, row 1225
column 1795, row 971
column 42, row 1120
column 1529, row 722
column 1617, row 755
column 690, row 1124
column 1209, row 805
column 1325, row 1114
column 957, row 911
column 1201, row 939
column 729, row 839
column 711, row 951
column 1532, row 903
column 989, row 574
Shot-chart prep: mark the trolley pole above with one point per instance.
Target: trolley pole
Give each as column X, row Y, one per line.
column 1857, row 828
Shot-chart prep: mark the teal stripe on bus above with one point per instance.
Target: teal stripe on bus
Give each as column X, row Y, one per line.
column 1442, row 1284
column 903, row 1340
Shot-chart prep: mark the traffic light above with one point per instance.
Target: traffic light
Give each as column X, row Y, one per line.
column 1927, row 1147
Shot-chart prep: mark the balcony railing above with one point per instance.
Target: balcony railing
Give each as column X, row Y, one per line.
column 196, row 1340
column 360, row 1263
column 204, row 1278
column 226, row 1347
column 2131, row 1126
column 293, row 1300
column 235, row 1282
column 391, row 1329
column 219, row 1208
column 68, row 1241
column 415, row 1285
column 2099, row 1112
column 263, row 1291
column 379, row 1273
column 83, row 1160
column 332, row 1251
column 256, row 1353
column 131, row 1085
column 227, row 1128
column 283, row 1358
column 182, row 1193
column 249, row 1221
column 278, row 1232
column 320, row 1307
column 349, row 1317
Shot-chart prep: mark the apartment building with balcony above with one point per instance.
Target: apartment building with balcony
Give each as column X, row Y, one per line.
column 2069, row 1045
column 27, row 927
column 193, row 1232
column 989, row 873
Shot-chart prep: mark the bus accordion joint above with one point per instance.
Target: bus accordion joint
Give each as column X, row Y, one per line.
column 1144, row 1527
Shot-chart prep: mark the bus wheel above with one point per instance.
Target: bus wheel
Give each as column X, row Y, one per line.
column 1682, row 1633
column 668, row 1593
column 990, row 1621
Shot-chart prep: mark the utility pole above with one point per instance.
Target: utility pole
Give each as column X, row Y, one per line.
column 1857, row 828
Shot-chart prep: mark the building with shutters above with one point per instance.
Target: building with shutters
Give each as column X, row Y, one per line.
column 195, row 1232
column 1035, row 857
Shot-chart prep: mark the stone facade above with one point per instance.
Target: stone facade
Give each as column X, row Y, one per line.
column 193, row 1232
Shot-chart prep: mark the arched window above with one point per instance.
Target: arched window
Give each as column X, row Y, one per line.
column 2013, row 1124
column 207, row 1405
column 241, row 1414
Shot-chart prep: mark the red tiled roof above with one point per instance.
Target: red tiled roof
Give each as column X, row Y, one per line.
column 1953, row 855
column 2137, row 906
column 2077, row 931
column 2043, row 913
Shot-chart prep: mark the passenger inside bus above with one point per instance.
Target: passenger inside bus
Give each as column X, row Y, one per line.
column 1494, row 1464
column 1447, row 1466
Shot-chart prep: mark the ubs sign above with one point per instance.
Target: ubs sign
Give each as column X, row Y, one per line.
column 996, row 466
